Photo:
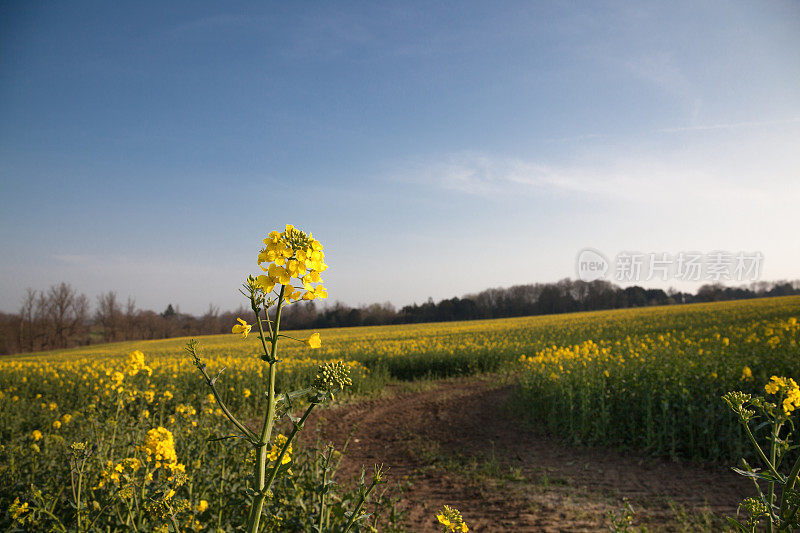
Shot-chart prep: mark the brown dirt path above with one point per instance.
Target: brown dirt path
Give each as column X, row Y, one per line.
column 439, row 443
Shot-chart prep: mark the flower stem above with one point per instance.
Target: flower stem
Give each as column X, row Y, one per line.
column 324, row 489
column 259, row 501
column 257, row 312
column 269, row 420
column 286, row 445
column 772, row 455
column 760, row 451
column 357, row 510
column 191, row 348
column 790, row 481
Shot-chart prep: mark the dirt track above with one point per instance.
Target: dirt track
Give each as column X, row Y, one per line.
column 506, row 478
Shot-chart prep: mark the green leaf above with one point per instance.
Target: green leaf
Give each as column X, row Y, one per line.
column 215, row 439
column 736, row 524
column 766, row 476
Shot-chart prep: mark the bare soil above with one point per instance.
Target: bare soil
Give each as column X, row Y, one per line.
column 455, row 442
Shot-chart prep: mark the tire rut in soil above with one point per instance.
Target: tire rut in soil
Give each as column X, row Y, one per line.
column 551, row 486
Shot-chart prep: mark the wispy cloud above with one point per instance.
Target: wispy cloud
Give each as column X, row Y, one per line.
column 731, row 125
column 640, row 180
column 662, row 70
column 576, row 138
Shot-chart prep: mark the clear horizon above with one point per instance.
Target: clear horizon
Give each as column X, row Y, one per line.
column 435, row 150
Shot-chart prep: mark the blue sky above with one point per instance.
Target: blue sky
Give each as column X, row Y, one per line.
column 435, row 148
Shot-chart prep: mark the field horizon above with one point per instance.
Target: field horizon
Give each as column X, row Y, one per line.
column 120, row 347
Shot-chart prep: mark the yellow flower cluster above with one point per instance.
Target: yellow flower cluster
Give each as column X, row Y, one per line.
column 136, row 364
column 451, row 519
column 113, row 472
column 787, row 388
column 277, row 445
column 18, row 510
column 292, row 254
column 185, row 411
column 160, row 447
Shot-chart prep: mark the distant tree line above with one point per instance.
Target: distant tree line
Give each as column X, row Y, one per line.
column 60, row 317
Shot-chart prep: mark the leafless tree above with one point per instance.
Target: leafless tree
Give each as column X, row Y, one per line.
column 27, row 317
column 79, row 326
column 129, row 320
column 44, row 330
column 60, row 299
column 209, row 322
column 108, row 315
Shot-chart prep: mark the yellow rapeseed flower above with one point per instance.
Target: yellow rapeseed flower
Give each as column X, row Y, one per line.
column 787, row 388
column 265, row 283
column 242, row 327
column 292, row 254
column 292, row 294
column 136, row 363
column 451, row 519
column 314, row 341
column 17, row 510
column 277, row 445
column 160, row 447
